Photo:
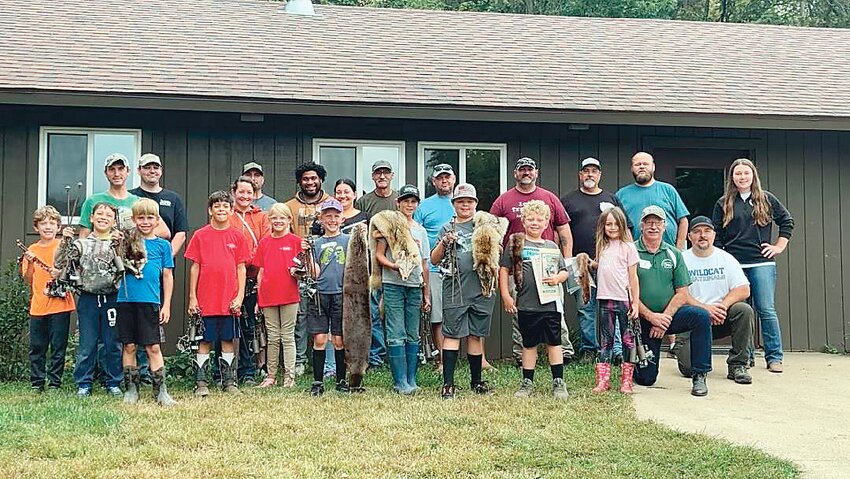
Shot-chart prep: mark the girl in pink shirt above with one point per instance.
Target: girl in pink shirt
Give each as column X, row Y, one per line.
column 617, row 294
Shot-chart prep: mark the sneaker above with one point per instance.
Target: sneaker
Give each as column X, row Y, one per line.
column 526, row 388
column 115, row 392
column 317, row 388
column 739, row 374
column 231, row 389
column 699, row 388
column 83, row 392
column 482, row 389
column 448, row 391
column 267, row 383
column 202, row 389
column 299, row 370
column 775, row 367
column 288, row 382
column 559, row 389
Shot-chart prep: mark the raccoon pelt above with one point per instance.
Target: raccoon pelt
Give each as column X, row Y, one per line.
column 356, row 317
column 131, row 251
column 487, row 233
column 583, row 273
column 516, row 242
column 392, row 226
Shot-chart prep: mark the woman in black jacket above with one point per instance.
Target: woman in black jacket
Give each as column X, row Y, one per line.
column 744, row 219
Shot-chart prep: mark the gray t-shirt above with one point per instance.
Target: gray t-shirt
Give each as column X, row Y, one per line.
column 389, row 276
column 463, row 289
column 527, row 298
column 373, row 204
column 264, row 202
column 329, row 254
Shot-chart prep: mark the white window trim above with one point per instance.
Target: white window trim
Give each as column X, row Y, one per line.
column 462, row 147
column 363, row 184
column 90, row 170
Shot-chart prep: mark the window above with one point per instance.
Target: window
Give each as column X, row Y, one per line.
column 353, row 159
column 70, row 156
column 482, row 164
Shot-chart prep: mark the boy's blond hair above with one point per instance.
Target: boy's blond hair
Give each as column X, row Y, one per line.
column 46, row 212
column 535, row 207
column 144, row 207
column 280, row 209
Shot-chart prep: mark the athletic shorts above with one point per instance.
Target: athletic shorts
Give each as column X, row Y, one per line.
column 329, row 317
column 220, row 328
column 473, row 319
column 435, row 286
column 539, row 327
column 138, row 323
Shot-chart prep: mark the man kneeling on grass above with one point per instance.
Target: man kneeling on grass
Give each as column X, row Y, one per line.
column 141, row 311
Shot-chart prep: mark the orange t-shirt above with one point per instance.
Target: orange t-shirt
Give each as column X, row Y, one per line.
column 41, row 304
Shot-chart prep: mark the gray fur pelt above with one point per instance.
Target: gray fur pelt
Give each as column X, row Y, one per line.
column 392, row 226
column 356, row 316
column 487, row 234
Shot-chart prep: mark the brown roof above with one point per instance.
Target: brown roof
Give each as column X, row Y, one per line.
column 251, row 49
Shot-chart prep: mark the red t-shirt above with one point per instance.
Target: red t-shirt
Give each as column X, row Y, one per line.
column 218, row 252
column 274, row 256
column 509, row 204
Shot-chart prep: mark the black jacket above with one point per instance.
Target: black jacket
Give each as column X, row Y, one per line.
column 742, row 238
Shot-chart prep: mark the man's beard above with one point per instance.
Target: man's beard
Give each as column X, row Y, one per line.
column 642, row 178
column 589, row 184
column 315, row 192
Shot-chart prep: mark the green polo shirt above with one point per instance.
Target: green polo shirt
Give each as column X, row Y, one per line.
column 659, row 274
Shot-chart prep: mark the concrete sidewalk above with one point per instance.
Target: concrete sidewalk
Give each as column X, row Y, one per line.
column 798, row 415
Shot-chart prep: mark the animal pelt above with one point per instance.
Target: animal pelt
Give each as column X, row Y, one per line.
column 356, row 318
column 131, row 251
column 583, row 273
column 487, row 233
column 392, row 226
column 516, row 242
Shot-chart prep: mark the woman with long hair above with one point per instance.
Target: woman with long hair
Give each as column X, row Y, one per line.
column 744, row 218
column 345, row 192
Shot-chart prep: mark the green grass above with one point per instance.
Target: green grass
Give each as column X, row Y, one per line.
column 277, row 433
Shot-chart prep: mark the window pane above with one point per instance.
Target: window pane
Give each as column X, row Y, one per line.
column 66, row 165
column 700, row 188
column 340, row 162
column 482, row 170
column 371, row 154
column 434, row 157
column 104, row 145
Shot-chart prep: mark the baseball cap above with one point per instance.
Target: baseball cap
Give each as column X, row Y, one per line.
column 252, row 166
column 590, row 161
column 442, row 168
column 382, row 164
column 408, row 190
column 149, row 158
column 464, row 190
column 701, row 221
column 652, row 210
column 115, row 158
column 525, row 161
column 331, row 204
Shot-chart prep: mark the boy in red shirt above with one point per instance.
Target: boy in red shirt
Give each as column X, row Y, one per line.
column 217, row 287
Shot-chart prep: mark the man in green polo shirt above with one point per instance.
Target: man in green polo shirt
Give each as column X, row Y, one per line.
column 664, row 280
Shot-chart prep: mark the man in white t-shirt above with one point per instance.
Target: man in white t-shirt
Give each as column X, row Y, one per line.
column 719, row 286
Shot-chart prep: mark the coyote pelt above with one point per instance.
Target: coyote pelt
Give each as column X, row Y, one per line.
column 392, row 226
column 132, row 253
column 487, row 234
column 583, row 273
column 516, row 243
column 356, row 319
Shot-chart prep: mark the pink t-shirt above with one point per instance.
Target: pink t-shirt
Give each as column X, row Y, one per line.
column 612, row 276
column 509, row 204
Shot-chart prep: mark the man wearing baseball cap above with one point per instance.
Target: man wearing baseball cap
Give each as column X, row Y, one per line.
column 116, row 168
column 720, row 287
column 171, row 208
column 584, row 206
column 664, row 309
column 255, row 172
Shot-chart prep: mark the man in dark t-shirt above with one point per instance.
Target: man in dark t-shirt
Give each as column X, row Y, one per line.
column 584, row 206
column 171, row 208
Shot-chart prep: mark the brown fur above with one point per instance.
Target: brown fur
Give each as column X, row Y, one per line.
column 131, row 252
column 516, row 243
column 583, row 263
column 487, row 235
column 392, row 226
column 356, row 317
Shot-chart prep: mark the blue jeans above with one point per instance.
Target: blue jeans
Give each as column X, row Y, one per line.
column 763, row 295
column 402, row 309
column 687, row 318
column 94, row 312
column 586, row 317
column 378, row 349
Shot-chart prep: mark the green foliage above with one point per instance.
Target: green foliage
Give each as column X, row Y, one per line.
column 180, row 367
column 14, row 324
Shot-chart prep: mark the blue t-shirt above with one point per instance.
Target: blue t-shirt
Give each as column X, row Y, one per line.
column 635, row 198
column 433, row 213
column 147, row 289
column 329, row 254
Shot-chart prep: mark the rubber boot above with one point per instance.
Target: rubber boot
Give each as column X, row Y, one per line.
column 160, row 393
column 131, row 384
column 626, row 378
column 603, row 377
column 398, row 368
column 228, row 376
column 411, row 352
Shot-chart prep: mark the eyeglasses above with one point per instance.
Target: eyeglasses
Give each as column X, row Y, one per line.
column 382, row 173
column 654, row 223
